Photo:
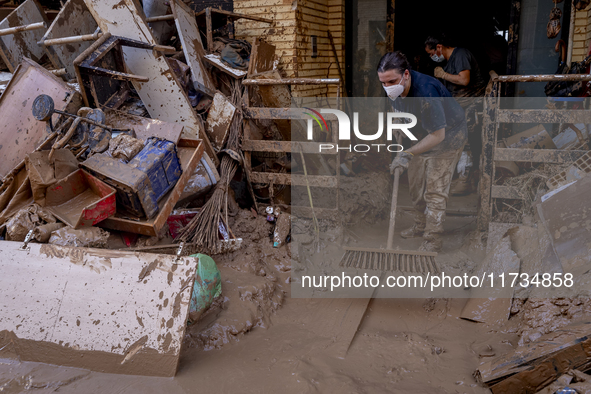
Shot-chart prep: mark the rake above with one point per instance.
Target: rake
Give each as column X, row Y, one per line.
column 390, row 259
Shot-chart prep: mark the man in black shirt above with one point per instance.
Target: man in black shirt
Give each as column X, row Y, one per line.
column 462, row 77
column 442, row 132
column 461, row 74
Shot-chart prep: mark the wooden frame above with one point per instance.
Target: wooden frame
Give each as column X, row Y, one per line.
column 163, row 95
column 493, row 116
column 74, row 19
column 214, row 18
column 249, row 146
column 20, row 44
column 106, row 51
column 186, row 26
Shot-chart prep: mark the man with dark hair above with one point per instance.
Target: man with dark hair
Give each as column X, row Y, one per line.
column 462, row 77
column 442, row 133
column 461, row 74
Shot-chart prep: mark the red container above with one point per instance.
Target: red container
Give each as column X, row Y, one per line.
column 179, row 219
column 80, row 200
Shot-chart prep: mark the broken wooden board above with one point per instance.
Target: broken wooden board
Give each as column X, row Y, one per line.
column 145, row 127
column 184, row 18
column 215, row 60
column 565, row 216
column 262, row 57
column 162, row 94
column 276, row 96
column 104, row 310
column 20, row 132
column 219, row 120
column 493, row 305
column 74, row 19
column 189, row 153
column 15, row 47
column 539, row 363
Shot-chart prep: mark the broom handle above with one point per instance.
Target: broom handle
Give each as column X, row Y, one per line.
column 393, row 209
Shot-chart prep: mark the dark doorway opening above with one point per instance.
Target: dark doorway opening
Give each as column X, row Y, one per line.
column 480, row 26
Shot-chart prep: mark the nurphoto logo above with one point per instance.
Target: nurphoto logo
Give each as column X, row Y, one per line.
column 394, row 121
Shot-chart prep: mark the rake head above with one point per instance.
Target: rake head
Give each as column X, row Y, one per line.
column 390, row 260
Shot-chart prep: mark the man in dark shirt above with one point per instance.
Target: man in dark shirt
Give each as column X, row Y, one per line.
column 461, row 74
column 442, row 133
column 462, row 77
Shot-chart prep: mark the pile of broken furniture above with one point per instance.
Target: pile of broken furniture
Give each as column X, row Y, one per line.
column 116, row 123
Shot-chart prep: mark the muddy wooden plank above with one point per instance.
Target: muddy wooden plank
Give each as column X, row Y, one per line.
column 189, row 152
column 321, row 213
column 543, row 116
column 219, row 120
column 184, row 18
column 14, row 47
column 291, row 179
column 108, row 311
column 20, row 132
column 492, row 305
column 538, row 155
column 489, row 142
column 539, row 363
column 542, row 78
column 281, row 113
column 287, row 146
column 74, row 19
column 221, row 15
column 292, row 81
column 262, row 57
column 506, row 192
column 162, row 94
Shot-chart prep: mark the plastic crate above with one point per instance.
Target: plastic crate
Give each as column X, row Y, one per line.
column 81, row 200
column 580, row 168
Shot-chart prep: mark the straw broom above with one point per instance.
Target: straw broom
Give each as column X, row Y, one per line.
column 202, row 230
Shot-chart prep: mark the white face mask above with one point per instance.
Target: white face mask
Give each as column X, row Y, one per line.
column 395, row 91
column 437, row 58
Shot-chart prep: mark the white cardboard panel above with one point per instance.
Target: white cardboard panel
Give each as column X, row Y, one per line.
column 112, row 311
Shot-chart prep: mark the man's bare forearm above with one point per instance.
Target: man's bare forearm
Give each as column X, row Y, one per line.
column 463, row 78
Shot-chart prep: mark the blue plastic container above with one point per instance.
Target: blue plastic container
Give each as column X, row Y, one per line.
column 159, row 160
column 142, row 182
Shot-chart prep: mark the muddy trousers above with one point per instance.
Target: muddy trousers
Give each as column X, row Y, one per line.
column 429, row 180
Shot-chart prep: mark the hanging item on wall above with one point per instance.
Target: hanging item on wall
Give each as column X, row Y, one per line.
column 553, row 27
column 580, row 5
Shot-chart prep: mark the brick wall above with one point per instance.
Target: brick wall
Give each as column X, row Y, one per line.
column 582, row 36
column 295, row 22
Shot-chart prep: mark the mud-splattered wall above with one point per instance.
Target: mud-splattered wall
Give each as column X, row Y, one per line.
column 295, row 22
column 582, row 36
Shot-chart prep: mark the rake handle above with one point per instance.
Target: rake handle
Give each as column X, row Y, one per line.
column 393, row 209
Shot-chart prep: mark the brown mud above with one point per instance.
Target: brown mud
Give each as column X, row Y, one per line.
column 256, row 338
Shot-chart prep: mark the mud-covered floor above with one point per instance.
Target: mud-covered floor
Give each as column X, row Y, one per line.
column 259, row 339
